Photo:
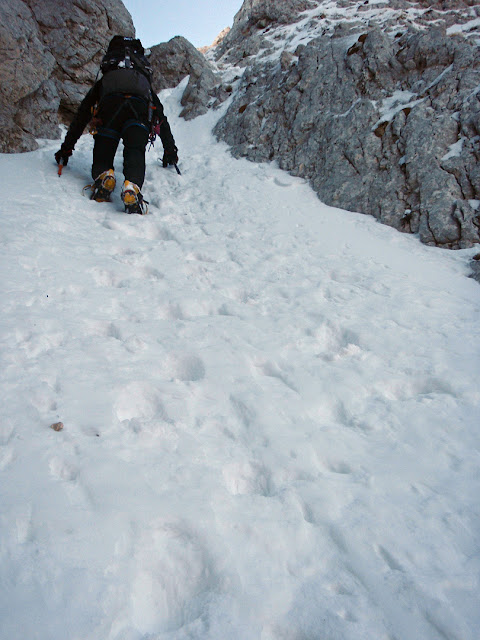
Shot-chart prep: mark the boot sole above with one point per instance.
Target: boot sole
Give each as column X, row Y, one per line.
column 135, row 208
column 101, row 195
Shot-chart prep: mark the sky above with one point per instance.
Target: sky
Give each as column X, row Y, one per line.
column 200, row 21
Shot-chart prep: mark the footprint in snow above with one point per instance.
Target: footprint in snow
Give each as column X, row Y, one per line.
column 388, row 558
column 247, row 478
column 185, row 367
column 68, row 475
column 282, row 183
column 174, row 578
column 342, row 468
column 43, row 398
column 7, row 432
column 139, row 401
column 139, row 227
column 333, row 342
column 7, row 456
column 272, row 370
column 21, row 516
column 102, row 329
column 106, row 278
column 35, row 344
column 196, row 256
column 62, row 470
column 244, row 411
column 170, row 311
column 148, row 273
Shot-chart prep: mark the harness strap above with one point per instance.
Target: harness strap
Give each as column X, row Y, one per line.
column 126, row 102
column 134, row 123
column 108, row 133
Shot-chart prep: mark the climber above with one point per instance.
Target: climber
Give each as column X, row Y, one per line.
column 121, row 105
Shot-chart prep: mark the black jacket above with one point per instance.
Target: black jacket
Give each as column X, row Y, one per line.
column 93, row 99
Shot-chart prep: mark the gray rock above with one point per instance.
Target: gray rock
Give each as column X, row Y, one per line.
column 50, row 51
column 385, row 125
column 173, row 61
column 176, row 59
column 244, row 39
column 25, row 67
column 475, row 268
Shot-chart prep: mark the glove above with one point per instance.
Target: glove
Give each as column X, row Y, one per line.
column 63, row 154
column 170, row 156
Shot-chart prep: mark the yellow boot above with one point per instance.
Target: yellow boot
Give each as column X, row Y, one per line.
column 132, row 199
column 103, row 186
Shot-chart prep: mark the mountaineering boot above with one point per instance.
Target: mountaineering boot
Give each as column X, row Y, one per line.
column 132, row 199
column 103, row 186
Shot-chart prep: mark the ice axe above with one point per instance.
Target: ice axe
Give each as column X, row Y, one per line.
column 60, row 166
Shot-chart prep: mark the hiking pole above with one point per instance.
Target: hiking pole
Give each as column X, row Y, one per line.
column 177, row 169
column 60, row 167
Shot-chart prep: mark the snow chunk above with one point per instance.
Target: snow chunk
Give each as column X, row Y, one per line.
column 455, row 149
column 463, row 28
column 398, row 101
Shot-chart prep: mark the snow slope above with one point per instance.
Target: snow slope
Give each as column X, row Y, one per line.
column 271, row 411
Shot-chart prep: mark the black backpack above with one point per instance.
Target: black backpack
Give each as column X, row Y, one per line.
column 126, row 53
column 125, row 68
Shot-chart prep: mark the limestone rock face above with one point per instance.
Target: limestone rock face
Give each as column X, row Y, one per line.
column 244, row 39
column 176, row 59
column 269, row 11
column 380, row 117
column 50, row 51
column 475, row 268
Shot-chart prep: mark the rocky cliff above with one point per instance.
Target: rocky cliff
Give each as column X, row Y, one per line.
column 377, row 104
column 49, row 56
column 176, row 59
column 50, row 51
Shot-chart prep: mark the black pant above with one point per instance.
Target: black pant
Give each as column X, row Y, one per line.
column 123, row 118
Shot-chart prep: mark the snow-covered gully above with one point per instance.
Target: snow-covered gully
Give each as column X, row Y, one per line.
column 270, row 411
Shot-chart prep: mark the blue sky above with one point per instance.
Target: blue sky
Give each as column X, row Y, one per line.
column 200, row 21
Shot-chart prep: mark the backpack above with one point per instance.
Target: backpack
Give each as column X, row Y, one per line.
column 125, row 68
column 126, row 53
